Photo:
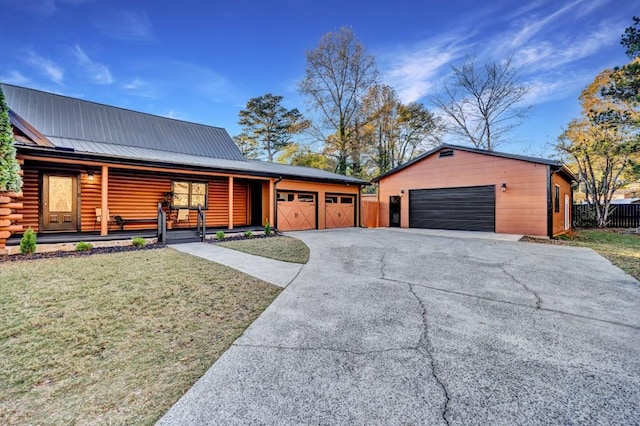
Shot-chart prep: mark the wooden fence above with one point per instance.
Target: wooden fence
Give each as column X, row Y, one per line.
column 622, row 216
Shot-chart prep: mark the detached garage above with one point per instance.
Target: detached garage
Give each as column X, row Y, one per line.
column 460, row 188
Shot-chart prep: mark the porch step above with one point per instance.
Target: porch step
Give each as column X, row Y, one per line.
column 186, row 236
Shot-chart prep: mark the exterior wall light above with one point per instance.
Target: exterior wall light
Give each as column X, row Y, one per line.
column 503, row 187
column 401, row 192
column 90, row 175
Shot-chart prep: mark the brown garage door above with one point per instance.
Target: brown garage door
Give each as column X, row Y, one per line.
column 340, row 211
column 296, row 211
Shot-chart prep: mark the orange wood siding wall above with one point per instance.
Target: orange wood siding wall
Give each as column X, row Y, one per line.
column 321, row 189
column 218, row 211
column 30, row 199
column 565, row 189
column 241, row 203
column 522, row 209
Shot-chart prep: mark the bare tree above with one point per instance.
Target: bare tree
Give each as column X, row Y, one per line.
column 481, row 103
column 338, row 74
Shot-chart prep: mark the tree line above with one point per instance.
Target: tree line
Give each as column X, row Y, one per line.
column 602, row 146
column 361, row 125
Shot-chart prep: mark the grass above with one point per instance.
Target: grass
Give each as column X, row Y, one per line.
column 115, row 338
column 622, row 249
column 286, row 249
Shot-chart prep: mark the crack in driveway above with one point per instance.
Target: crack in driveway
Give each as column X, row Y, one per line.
column 503, row 268
column 425, row 343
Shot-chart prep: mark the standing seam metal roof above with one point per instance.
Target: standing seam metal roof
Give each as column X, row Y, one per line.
column 64, row 117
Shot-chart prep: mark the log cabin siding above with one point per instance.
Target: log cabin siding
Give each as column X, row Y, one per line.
column 30, row 199
column 218, row 210
column 132, row 196
column 240, row 203
column 521, row 209
column 90, row 199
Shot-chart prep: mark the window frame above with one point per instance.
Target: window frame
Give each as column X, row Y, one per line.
column 556, row 199
column 190, row 194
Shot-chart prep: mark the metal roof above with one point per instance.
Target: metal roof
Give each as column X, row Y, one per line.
column 70, row 118
column 78, row 127
column 554, row 163
column 249, row 167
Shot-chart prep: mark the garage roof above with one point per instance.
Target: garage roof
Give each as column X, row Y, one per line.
column 558, row 165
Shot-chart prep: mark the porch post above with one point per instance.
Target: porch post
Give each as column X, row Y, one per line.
column 104, row 182
column 272, row 200
column 230, row 226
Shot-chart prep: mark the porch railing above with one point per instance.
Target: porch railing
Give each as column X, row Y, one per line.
column 162, row 225
column 201, row 224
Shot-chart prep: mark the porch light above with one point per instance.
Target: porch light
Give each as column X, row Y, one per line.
column 503, row 187
column 90, row 175
column 401, row 192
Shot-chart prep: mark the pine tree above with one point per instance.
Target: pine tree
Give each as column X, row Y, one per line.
column 10, row 179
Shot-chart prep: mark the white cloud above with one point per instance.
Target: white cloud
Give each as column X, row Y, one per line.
column 533, row 26
column 127, row 25
column 46, row 66
column 97, row 71
column 15, row 77
column 141, row 88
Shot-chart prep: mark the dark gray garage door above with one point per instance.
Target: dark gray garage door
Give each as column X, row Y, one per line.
column 465, row 209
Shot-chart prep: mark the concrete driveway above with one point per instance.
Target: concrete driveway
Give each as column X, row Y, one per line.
column 398, row 327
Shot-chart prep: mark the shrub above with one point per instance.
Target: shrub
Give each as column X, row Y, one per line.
column 138, row 241
column 267, row 227
column 28, row 242
column 248, row 234
column 82, row 246
column 219, row 235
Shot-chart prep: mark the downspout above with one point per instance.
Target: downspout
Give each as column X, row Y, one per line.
column 549, row 204
column 275, row 202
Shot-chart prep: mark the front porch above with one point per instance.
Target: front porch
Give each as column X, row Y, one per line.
column 174, row 236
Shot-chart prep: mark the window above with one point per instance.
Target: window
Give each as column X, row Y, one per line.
column 346, row 200
column 306, row 198
column 556, row 200
column 331, row 199
column 285, row 196
column 189, row 194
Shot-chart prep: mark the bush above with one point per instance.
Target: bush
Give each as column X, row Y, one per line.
column 267, row 227
column 82, row 246
column 28, row 242
column 219, row 235
column 248, row 234
column 138, row 241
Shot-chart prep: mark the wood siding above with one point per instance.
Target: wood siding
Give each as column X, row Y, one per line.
column 241, row 210
column 521, row 209
column 321, row 189
column 558, row 217
column 30, row 199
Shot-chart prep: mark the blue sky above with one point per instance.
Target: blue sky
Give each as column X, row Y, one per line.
column 202, row 60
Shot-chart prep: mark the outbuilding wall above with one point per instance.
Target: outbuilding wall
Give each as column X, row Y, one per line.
column 521, row 209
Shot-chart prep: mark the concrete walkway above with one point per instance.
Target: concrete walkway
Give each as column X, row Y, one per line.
column 269, row 270
column 384, row 326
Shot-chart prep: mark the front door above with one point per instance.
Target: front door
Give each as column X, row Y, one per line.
column 394, row 211
column 59, row 202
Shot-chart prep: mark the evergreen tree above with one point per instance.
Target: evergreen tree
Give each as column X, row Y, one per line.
column 10, row 179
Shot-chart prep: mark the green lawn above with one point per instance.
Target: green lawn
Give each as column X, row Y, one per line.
column 115, row 338
column 286, row 249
